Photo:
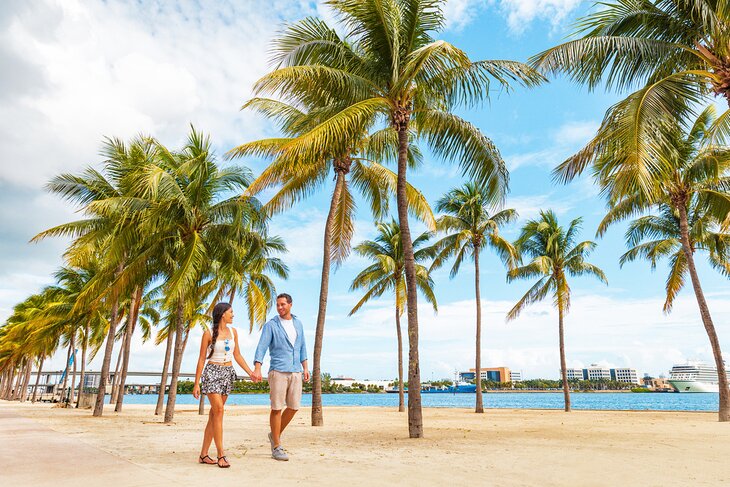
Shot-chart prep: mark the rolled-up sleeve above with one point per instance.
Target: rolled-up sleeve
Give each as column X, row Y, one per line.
column 303, row 349
column 264, row 343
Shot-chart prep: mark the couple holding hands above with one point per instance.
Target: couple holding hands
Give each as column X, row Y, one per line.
column 283, row 337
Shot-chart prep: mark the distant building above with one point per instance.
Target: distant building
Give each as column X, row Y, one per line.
column 625, row 374
column 661, row 384
column 598, row 372
column 575, row 374
column 496, row 374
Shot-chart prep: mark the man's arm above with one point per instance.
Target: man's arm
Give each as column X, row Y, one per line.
column 261, row 348
column 303, row 357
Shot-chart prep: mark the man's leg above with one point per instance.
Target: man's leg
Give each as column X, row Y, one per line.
column 275, row 424
column 285, row 418
column 293, row 399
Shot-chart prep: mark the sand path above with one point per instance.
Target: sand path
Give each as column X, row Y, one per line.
column 369, row 446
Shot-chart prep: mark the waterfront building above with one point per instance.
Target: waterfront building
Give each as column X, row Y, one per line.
column 575, row 374
column 496, row 374
column 598, row 372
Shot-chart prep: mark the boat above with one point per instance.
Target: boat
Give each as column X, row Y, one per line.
column 694, row 376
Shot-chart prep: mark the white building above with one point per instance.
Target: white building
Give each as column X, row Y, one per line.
column 515, row 376
column 575, row 374
column 625, row 374
column 597, row 372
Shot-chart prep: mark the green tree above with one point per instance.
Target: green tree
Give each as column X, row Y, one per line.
column 689, row 189
column 676, row 51
column 389, row 67
column 555, row 255
column 471, row 226
column 354, row 165
column 387, row 274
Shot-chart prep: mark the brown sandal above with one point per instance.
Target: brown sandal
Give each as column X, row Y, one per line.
column 224, row 459
column 202, row 460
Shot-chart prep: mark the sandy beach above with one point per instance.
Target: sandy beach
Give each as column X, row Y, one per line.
column 368, row 446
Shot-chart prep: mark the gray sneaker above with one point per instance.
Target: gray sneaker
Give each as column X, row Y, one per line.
column 271, row 440
column 279, row 454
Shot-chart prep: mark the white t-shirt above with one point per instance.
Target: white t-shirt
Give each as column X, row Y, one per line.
column 291, row 332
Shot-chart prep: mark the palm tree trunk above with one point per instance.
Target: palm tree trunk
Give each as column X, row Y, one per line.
column 38, row 378
column 563, row 368
column 201, row 405
column 115, row 379
column 8, row 382
column 478, row 366
column 401, row 387
column 84, row 346
column 415, row 413
column 317, row 417
column 724, row 399
column 104, row 374
column 131, row 325
column 26, row 380
column 73, row 376
column 163, row 380
column 65, row 375
column 176, row 361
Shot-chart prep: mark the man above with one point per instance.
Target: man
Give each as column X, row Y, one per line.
column 283, row 337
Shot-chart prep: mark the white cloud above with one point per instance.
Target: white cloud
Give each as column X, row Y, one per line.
column 562, row 142
column 521, row 13
column 460, row 13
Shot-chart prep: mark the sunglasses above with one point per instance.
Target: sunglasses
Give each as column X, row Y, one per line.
column 228, row 348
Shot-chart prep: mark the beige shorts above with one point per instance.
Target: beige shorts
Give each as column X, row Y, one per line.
column 285, row 389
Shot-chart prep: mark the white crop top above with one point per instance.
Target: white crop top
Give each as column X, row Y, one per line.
column 220, row 354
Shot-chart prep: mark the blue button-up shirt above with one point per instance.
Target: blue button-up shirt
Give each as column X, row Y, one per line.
column 285, row 357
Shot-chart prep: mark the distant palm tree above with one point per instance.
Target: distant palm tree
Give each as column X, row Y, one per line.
column 689, row 186
column 388, row 68
column 468, row 216
column 387, row 274
column 555, row 255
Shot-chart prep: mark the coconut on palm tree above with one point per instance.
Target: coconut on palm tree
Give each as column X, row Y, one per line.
column 389, row 67
column 473, row 224
column 387, row 274
column 555, row 256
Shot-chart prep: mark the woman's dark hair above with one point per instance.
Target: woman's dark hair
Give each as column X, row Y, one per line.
column 218, row 311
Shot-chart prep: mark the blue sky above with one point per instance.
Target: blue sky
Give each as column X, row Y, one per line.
column 74, row 72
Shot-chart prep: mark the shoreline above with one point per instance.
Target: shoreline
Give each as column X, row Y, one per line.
column 370, row 445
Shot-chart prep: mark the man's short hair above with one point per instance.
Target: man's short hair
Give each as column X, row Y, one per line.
column 285, row 296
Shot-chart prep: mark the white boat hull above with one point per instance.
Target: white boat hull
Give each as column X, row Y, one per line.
column 694, row 386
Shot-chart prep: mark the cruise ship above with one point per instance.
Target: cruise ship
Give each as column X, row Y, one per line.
column 694, row 377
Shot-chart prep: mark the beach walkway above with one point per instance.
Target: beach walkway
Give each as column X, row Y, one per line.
column 364, row 446
column 32, row 454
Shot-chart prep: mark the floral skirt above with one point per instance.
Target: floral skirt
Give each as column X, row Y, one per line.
column 217, row 379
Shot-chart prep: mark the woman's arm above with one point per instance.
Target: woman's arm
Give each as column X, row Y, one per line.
column 204, row 345
column 239, row 358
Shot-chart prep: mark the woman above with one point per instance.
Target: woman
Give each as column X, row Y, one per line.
column 219, row 346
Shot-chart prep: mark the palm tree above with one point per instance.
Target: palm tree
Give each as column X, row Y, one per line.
column 389, row 68
column 110, row 229
column 689, row 184
column 197, row 229
column 468, row 216
column 386, row 274
column 355, row 165
column 554, row 254
column 677, row 51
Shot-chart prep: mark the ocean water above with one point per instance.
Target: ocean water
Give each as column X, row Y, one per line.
column 518, row 400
